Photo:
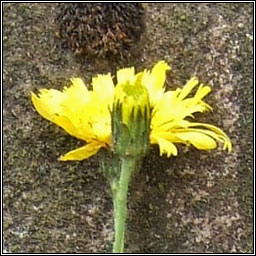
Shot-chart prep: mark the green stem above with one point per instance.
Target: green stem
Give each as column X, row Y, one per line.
column 120, row 191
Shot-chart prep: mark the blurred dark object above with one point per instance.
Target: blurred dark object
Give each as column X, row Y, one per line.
column 103, row 30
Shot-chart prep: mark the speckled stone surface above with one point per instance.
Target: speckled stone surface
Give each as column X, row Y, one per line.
column 197, row 202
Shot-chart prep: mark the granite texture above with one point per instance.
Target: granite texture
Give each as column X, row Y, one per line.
column 197, row 202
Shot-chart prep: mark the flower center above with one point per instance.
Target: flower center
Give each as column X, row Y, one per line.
column 131, row 119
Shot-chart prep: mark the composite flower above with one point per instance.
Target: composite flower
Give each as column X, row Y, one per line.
column 86, row 113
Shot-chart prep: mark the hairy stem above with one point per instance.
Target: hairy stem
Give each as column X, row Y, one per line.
column 120, row 190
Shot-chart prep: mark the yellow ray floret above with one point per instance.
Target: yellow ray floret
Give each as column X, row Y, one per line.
column 80, row 112
column 86, row 114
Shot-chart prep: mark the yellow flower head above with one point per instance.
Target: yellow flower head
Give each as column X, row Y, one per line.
column 131, row 117
column 133, row 97
column 86, row 114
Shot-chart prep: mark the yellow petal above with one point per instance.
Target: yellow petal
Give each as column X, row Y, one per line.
column 65, row 123
column 179, row 107
column 124, row 75
column 48, row 103
column 169, row 126
column 216, row 133
column 154, row 81
column 83, row 152
column 103, row 88
column 199, row 107
column 77, row 110
column 195, row 103
column 197, row 139
column 52, row 102
column 168, row 110
column 77, row 85
column 77, row 93
column 165, row 146
column 202, row 91
column 159, row 72
column 188, row 88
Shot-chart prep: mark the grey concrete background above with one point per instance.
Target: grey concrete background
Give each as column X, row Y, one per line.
column 198, row 202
